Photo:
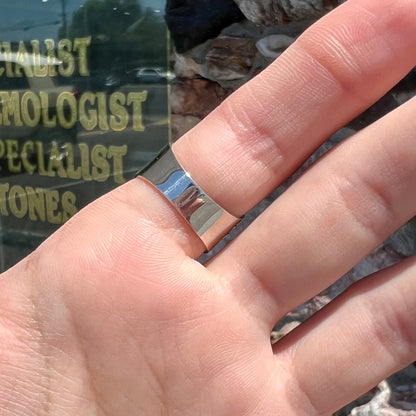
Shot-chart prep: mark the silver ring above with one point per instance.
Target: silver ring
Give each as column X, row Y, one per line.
column 210, row 221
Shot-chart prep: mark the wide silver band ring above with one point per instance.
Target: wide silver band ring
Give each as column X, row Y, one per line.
column 210, row 221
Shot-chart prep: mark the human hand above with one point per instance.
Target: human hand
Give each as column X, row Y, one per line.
column 113, row 315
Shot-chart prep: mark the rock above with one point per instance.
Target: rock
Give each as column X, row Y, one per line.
column 380, row 405
column 192, row 22
column 279, row 334
column 230, row 58
column 403, row 385
column 379, row 259
column 401, row 389
column 186, row 67
column 379, row 109
column 273, row 45
column 378, row 402
column 276, row 12
column 196, row 97
column 403, row 240
column 406, row 88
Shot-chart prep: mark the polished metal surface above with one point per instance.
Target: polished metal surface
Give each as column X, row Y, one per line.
column 207, row 218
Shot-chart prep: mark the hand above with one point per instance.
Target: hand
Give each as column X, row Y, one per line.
column 113, row 315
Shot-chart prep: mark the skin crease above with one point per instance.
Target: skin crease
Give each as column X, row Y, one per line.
column 113, row 315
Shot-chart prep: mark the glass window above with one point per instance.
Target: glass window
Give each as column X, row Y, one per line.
column 83, row 107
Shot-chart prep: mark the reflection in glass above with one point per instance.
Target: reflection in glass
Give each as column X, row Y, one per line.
column 83, row 106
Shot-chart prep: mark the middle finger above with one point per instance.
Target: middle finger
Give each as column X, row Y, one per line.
column 339, row 67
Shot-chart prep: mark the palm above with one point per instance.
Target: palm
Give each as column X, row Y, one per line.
column 181, row 361
column 150, row 342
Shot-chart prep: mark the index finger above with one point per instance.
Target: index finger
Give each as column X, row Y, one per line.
column 335, row 70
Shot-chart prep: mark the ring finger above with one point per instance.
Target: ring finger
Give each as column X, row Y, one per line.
column 336, row 213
